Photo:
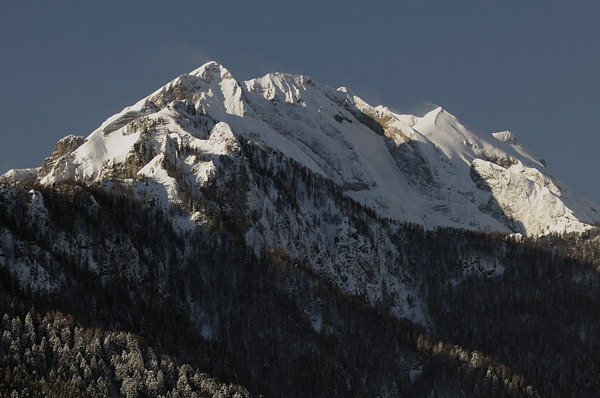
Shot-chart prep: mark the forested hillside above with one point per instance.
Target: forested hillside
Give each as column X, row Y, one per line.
column 110, row 292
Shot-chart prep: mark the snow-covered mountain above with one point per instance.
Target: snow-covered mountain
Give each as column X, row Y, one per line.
column 303, row 241
column 277, row 156
column 428, row 169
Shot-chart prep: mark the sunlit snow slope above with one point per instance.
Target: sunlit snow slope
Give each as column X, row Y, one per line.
column 426, row 169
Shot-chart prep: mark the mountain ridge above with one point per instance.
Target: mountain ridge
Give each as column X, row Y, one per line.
column 309, row 243
column 430, row 169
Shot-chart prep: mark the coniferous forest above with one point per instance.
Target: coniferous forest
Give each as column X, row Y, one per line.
column 139, row 309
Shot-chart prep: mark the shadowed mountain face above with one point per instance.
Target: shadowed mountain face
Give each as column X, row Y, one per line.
column 210, row 307
column 291, row 239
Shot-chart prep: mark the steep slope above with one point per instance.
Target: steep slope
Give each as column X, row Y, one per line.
column 506, row 319
column 292, row 239
column 314, row 172
column 430, row 170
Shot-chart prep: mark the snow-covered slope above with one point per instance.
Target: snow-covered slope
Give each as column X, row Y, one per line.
column 426, row 169
column 291, row 166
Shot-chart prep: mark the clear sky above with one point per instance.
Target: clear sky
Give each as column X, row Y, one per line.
column 531, row 67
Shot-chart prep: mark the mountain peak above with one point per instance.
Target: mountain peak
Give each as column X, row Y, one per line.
column 284, row 87
column 211, row 71
column 429, row 169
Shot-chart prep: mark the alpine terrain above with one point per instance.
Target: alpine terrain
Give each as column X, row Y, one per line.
column 278, row 237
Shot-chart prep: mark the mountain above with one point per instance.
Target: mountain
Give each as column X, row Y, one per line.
column 429, row 170
column 290, row 239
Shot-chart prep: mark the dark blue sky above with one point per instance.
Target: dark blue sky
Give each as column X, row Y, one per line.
column 531, row 67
